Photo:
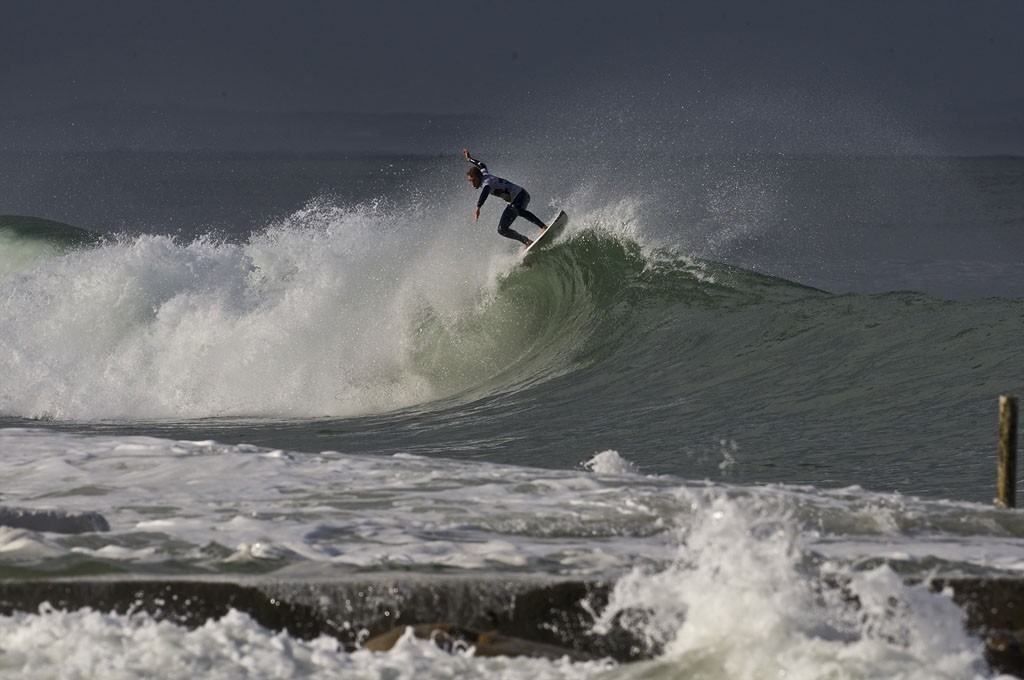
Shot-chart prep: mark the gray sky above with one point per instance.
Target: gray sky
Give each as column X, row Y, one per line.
column 935, row 60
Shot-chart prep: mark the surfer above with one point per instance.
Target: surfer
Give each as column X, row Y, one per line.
column 516, row 196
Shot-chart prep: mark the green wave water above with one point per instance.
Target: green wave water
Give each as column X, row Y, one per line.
column 25, row 241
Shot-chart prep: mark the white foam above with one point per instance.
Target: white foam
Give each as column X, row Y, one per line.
column 90, row 644
column 310, row 317
column 334, row 510
column 727, row 582
column 610, row 463
column 207, row 505
column 740, row 601
column 19, row 545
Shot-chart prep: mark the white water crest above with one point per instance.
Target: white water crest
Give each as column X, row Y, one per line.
column 307, row 318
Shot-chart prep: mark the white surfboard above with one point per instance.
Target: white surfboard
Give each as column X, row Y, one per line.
column 546, row 237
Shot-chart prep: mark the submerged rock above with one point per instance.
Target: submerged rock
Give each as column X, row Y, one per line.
column 452, row 638
column 55, row 521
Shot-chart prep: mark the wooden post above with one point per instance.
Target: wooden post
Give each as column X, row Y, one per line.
column 1007, row 476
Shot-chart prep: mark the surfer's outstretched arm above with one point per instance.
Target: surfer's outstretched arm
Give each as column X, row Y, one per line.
column 479, row 164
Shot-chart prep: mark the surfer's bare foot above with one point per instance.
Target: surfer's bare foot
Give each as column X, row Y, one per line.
column 529, row 243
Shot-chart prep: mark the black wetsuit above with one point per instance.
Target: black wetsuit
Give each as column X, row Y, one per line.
column 518, row 198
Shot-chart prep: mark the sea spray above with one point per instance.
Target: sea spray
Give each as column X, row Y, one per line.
column 289, row 323
column 610, row 463
column 746, row 598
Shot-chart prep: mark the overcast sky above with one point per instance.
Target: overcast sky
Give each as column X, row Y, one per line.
column 928, row 57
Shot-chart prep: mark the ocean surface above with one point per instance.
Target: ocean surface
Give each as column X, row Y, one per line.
column 735, row 379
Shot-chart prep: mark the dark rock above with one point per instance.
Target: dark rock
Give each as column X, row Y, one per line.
column 55, row 521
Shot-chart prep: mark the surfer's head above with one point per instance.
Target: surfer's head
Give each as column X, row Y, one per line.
column 475, row 177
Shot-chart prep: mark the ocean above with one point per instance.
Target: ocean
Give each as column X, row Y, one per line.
column 747, row 403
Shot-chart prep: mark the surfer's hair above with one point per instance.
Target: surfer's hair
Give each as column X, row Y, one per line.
column 474, row 173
